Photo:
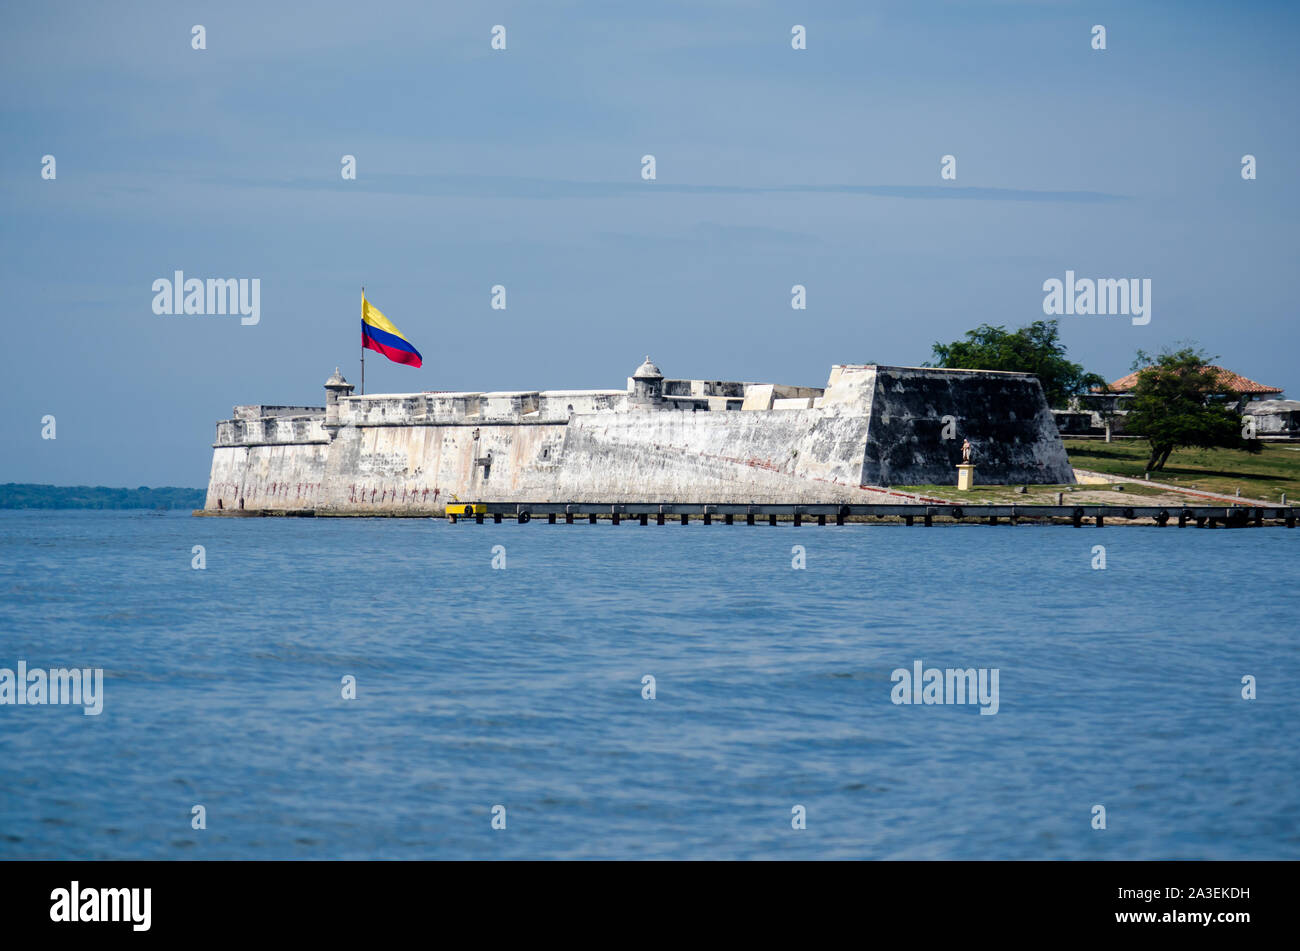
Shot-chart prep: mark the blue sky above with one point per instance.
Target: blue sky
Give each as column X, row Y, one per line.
column 522, row 168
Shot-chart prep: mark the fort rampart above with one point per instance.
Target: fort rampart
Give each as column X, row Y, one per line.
column 657, row 440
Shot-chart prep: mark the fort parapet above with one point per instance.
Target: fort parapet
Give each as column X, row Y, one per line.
column 656, row 440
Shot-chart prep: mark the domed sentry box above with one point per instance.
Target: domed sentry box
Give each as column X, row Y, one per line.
column 647, row 386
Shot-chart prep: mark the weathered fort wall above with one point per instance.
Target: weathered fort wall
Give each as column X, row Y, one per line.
column 1003, row 415
column 672, row 441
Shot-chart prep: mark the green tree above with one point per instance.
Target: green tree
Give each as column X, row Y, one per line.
column 1035, row 349
column 1179, row 400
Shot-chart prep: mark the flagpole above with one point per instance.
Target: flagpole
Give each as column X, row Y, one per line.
column 363, row 340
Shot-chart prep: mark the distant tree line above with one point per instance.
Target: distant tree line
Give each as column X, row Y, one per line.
column 22, row 495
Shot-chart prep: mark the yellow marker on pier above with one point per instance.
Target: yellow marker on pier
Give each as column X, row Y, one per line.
column 466, row 508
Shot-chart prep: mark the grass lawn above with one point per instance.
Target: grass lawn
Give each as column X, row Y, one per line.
column 1036, row 494
column 1265, row 476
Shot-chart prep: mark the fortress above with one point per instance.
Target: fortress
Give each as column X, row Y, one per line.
column 657, row 440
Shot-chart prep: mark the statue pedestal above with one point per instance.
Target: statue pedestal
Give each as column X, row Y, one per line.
column 965, row 477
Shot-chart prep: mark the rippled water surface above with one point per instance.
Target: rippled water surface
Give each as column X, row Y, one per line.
column 523, row 687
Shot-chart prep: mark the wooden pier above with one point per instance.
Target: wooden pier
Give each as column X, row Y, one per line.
column 1201, row 516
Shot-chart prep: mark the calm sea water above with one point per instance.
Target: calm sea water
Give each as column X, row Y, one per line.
column 522, row 687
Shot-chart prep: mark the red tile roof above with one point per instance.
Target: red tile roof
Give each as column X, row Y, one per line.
column 1233, row 382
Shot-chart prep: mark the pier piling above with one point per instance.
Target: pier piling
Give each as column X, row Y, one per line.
column 903, row 513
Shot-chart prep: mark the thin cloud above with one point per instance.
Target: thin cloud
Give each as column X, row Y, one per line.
column 500, row 186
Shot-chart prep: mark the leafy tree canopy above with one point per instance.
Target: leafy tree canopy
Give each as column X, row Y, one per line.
column 1179, row 400
column 1035, row 349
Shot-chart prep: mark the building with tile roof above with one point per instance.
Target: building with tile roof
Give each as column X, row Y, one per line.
column 1233, row 382
column 1108, row 407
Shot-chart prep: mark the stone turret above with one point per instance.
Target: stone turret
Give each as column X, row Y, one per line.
column 335, row 387
column 647, row 387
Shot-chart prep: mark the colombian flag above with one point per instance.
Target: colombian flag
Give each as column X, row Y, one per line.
column 379, row 334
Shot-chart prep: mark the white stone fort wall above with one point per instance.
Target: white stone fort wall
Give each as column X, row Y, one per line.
column 873, row 426
column 283, row 478
column 791, row 455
